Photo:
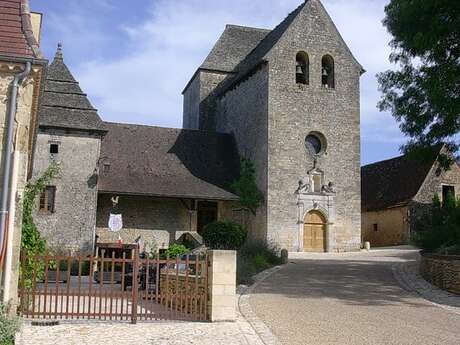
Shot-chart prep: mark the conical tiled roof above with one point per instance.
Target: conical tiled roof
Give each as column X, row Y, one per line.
column 64, row 105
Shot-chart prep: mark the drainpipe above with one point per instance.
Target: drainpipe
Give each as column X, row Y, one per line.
column 8, row 150
column 9, row 237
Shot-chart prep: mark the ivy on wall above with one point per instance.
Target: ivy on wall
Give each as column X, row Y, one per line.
column 246, row 188
column 32, row 244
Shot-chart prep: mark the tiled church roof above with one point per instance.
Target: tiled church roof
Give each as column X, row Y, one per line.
column 16, row 34
column 393, row 182
column 168, row 162
column 235, row 43
column 64, row 105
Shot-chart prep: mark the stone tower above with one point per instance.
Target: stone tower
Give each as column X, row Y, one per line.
column 290, row 97
column 69, row 134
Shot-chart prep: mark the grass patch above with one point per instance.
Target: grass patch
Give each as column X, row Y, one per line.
column 254, row 257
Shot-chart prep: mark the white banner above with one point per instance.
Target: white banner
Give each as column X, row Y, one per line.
column 115, row 222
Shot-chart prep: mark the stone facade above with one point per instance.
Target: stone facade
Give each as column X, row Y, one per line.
column 396, row 223
column 270, row 116
column 244, row 113
column 386, row 227
column 158, row 221
column 436, row 179
column 24, row 129
column 198, row 105
column 294, row 111
column 71, row 227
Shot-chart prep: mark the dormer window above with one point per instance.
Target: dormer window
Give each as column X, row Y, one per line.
column 302, row 68
column 327, row 72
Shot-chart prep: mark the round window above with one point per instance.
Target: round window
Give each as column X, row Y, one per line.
column 315, row 143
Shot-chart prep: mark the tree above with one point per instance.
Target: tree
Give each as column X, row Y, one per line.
column 246, row 188
column 424, row 94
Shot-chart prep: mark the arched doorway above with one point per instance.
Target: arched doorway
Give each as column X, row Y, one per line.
column 314, row 232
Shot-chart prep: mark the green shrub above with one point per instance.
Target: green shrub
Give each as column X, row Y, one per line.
column 261, row 262
column 175, row 250
column 224, row 235
column 442, row 227
column 8, row 326
column 254, row 257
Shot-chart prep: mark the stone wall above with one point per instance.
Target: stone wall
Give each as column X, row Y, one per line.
column 24, row 127
column 199, row 104
column 442, row 271
column 222, row 285
column 243, row 112
column 295, row 110
column 71, row 227
column 392, row 227
column 421, row 204
column 159, row 221
column 435, row 180
column 191, row 112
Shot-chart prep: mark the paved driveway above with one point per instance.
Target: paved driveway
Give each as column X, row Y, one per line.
column 350, row 299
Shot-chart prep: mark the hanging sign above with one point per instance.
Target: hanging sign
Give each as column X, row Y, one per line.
column 115, row 222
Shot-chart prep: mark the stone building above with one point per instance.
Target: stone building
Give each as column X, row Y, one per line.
column 397, row 191
column 290, row 97
column 287, row 99
column 169, row 182
column 21, row 71
column 69, row 134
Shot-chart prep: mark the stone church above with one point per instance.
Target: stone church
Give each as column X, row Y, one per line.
column 287, row 99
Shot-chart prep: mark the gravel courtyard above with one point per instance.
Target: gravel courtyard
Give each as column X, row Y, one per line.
column 351, row 299
column 155, row 333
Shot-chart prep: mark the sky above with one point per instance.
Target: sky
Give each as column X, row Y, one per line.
column 133, row 58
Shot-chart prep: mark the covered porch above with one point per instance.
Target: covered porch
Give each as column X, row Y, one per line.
column 157, row 222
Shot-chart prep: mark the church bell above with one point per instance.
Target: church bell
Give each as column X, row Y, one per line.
column 299, row 69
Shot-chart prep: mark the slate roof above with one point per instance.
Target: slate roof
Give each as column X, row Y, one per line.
column 257, row 55
column 167, row 162
column 393, row 182
column 235, row 43
column 63, row 103
column 16, row 34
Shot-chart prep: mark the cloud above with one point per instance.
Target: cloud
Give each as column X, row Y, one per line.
column 163, row 52
column 143, row 80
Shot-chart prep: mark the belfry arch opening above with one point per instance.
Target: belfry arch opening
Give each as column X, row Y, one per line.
column 328, row 72
column 302, row 68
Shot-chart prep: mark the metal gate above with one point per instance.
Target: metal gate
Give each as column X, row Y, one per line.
column 117, row 288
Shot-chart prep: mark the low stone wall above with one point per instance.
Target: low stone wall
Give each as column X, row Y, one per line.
column 442, row 271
